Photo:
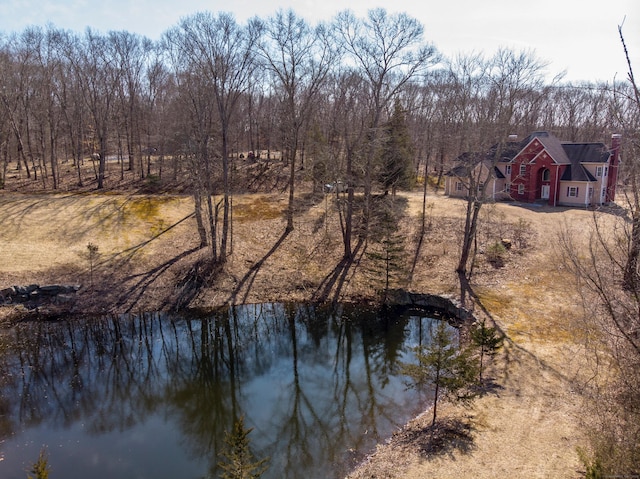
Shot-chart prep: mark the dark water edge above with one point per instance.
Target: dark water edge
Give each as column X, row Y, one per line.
column 151, row 395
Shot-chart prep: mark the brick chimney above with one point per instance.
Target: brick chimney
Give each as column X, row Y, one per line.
column 614, row 161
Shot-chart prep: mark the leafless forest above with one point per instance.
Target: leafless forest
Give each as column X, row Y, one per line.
column 359, row 106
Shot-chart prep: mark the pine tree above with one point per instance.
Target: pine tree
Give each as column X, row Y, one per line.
column 238, row 461
column 386, row 251
column 488, row 341
column 396, row 153
column 40, row 468
column 451, row 371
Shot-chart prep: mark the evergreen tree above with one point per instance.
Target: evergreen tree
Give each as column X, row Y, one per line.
column 396, row 153
column 488, row 341
column 40, row 468
column 451, row 371
column 238, row 461
column 386, row 252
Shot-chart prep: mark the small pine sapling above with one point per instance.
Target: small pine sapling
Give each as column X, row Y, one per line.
column 238, row 461
column 40, row 468
column 488, row 341
column 451, row 371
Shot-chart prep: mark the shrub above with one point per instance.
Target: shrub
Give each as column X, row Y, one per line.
column 496, row 254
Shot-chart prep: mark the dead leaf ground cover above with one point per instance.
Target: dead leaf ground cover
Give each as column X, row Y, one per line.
column 528, row 425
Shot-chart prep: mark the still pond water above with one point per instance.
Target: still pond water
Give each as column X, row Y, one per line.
column 151, row 396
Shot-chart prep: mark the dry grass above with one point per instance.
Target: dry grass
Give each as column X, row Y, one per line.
column 527, row 426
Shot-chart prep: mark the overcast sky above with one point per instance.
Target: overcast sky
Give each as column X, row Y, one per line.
column 576, row 36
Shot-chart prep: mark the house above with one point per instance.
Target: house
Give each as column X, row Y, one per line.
column 541, row 169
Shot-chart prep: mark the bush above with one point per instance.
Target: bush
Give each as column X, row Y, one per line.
column 496, row 254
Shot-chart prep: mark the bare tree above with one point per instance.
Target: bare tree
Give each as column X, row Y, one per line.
column 131, row 53
column 92, row 61
column 389, row 51
column 299, row 58
column 346, row 135
column 606, row 269
column 503, row 88
column 222, row 54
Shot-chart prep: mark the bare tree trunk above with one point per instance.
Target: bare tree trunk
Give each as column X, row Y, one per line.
column 423, row 225
column 470, row 228
column 630, row 276
column 53, row 161
column 202, row 232
column 102, row 161
column 213, row 220
column 227, row 192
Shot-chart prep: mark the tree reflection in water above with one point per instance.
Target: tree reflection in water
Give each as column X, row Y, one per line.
column 155, row 393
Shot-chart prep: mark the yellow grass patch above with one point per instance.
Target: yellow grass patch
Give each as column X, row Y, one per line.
column 258, row 208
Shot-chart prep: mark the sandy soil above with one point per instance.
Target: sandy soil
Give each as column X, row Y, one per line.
column 526, row 426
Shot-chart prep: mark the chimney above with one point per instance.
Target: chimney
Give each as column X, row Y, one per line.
column 614, row 160
column 616, row 141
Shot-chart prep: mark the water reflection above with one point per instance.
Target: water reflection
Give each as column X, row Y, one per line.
column 151, row 395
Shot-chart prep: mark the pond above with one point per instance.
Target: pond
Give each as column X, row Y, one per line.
column 151, row 395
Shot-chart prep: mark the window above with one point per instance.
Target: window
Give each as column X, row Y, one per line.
column 572, row 191
column 458, row 186
column 546, row 175
column 606, row 170
column 521, row 189
column 598, row 170
column 507, row 170
column 523, row 169
column 507, row 188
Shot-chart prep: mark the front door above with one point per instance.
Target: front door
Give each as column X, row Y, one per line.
column 544, row 194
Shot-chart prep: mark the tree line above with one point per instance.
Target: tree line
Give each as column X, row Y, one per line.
column 326, row 97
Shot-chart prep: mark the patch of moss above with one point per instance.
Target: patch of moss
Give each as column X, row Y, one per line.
column 260, row 208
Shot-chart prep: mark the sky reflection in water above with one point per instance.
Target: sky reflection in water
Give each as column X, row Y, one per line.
column 151, row 395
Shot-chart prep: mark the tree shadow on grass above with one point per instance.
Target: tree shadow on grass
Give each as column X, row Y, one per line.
column 143, row 281
column 114, row 290
column 337, row 278
column 248, row 279
column 515, row 353
column 446, row 437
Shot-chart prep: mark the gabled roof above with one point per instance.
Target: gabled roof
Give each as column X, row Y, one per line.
column 587, row 152
column 465, row 163
column 570, row 154
column 576, row 172
column 507, row 151
column 551, row 144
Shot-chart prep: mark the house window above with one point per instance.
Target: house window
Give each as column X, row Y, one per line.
column 606, row 170
column 546, row 175
column 507, row 188
column 507, row 170
column 598, row 171
column 523, row 169
column 458, row 186
column 521, row 189
column 572, row 191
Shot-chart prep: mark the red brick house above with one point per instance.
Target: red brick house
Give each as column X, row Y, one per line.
column 543, row 169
